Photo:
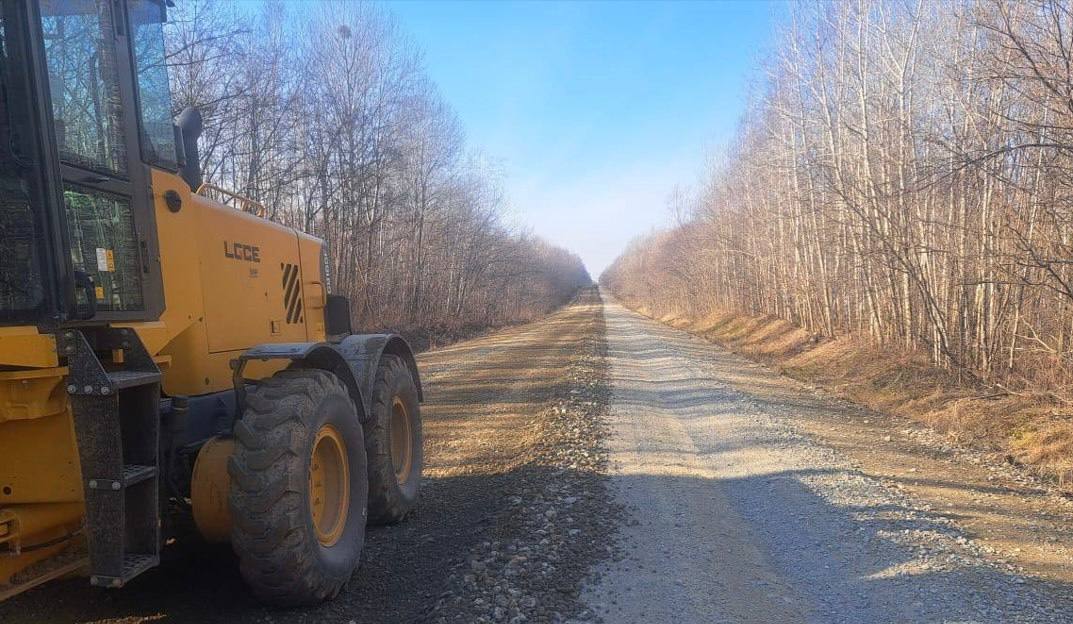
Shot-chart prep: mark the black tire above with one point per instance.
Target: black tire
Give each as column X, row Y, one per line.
column 273, row 532
column 393, row 496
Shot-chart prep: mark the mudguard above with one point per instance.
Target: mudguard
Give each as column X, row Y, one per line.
column 354, row 360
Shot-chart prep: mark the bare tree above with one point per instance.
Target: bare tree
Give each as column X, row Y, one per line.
column 902, row 174
column 331, row 123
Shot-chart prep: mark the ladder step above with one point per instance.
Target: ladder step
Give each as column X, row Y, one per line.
column 133, row 473
column 116, row 410
column 129, row 379
column 133, row 565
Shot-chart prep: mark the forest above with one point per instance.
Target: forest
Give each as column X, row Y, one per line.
column 329, row 120
column 902, row 174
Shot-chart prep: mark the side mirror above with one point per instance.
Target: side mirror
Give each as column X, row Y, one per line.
column 337, row 318
column 189, row 124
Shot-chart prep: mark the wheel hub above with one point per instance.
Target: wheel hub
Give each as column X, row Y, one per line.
column 401, row 443
column 329, row 485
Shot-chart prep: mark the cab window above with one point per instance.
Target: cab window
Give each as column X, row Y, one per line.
column 81, row 52
column 154, row 92
column 104, row 246
column 84, row 83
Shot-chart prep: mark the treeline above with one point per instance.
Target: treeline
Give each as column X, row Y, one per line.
column 328, row 119
column 903, row 173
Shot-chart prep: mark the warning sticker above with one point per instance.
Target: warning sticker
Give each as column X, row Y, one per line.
column 100, row 293
column 102, row 259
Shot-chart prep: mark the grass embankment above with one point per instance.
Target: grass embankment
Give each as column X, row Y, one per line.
column 1033, row 430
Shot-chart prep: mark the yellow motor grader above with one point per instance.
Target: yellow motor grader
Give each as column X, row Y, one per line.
column 163, row 349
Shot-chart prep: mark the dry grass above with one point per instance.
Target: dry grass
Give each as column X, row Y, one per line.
column 1033, row 430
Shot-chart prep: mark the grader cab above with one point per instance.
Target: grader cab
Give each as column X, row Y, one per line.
column 163, row 353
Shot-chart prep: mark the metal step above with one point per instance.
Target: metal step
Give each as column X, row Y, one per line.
column 116, row 408
column 133, row 473
column 131, row 378
column 133, row 565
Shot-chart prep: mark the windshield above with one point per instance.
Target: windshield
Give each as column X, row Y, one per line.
column 21, row 289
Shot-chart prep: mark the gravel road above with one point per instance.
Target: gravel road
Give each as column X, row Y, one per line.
column 735, row 515
column 514, row 510
column 727, row 501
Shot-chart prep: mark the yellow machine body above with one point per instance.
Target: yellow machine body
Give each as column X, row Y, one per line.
column 231, row 280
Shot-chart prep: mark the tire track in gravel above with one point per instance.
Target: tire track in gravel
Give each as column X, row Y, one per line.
column 506, row 416
column 739, row 516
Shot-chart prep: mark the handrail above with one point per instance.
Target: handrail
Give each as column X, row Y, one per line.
column 245, row 204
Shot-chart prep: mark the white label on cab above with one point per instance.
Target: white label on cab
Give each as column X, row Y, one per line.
column 105, row 262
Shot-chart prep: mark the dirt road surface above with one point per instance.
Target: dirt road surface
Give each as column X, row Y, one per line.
column 512, row 514
column 599, row 466
column 738, row 515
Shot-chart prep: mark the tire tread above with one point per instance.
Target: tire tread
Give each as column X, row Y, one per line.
column 267, row 499
column 387, row 503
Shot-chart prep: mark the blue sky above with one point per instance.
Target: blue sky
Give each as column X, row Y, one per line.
column 594, row 111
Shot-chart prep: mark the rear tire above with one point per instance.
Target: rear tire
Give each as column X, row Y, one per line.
column 393, row 443
column 299, row 488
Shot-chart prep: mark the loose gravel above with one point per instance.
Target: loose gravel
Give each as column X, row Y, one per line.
column 560, row 520
column 739, row 516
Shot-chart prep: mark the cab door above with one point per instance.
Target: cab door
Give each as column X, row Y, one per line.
column 108, row 225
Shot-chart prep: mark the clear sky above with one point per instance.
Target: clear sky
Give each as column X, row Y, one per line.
column 594, row 111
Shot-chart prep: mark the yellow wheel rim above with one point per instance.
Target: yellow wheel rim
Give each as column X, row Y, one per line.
column 402, row 455
column 329, row 485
